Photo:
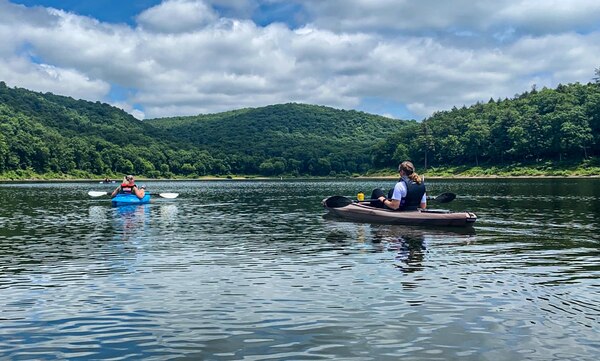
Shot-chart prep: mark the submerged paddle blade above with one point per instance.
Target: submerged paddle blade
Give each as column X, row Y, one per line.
column 337, row 202
column 445, row 197
column 97, row 194
column 169, row 195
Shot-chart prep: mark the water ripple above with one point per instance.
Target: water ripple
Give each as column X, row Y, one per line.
column 250, row 270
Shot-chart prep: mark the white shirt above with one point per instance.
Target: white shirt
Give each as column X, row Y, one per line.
column 400, row 192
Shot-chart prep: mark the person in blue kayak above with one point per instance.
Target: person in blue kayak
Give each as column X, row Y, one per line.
column 408, row 194
column 129, row 187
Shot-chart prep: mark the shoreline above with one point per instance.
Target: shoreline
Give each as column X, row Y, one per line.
column 251, row 178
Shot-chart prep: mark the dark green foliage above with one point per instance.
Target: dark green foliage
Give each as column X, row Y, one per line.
column 47, row 133
column 51, row 134
column 286, row 138
column 534, row 127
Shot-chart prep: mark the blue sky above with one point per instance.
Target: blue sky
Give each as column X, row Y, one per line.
column 398, row 58
column 112, row 11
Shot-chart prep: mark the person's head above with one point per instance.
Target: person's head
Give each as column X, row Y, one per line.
column 406, row 168
column 129, row 178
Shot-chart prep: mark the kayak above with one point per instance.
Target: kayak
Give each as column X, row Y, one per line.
column 423, row 217
column 129, row 199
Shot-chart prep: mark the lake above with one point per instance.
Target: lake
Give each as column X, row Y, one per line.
column 251, row 270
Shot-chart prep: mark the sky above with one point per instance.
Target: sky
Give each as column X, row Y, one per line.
column 402, row 59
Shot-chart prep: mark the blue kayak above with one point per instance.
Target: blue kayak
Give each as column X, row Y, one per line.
column 130, row 199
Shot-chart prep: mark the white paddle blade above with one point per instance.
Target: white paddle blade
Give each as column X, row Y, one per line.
column 97, row 194
column 169, row 195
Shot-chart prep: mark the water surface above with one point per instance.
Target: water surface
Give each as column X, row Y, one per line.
column 251, row 270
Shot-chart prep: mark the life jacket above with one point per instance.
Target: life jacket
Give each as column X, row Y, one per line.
column 414, row 194
column 126, row 188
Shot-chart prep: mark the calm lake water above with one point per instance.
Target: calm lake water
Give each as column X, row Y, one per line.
column 251, row 270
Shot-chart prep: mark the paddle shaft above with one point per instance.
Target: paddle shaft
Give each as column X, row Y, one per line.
column 429, row 198
column 162, row 195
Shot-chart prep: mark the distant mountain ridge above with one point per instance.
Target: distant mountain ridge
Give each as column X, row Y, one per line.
column 275, row 129
column 44, row 133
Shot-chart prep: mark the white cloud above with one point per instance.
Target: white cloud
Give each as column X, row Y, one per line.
column 421, row 56
column 177, row 16
column 47, row 78
column 551, row 16
column 427, row 16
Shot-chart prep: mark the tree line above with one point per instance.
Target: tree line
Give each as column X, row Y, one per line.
column 47, row 134
column 549, row 125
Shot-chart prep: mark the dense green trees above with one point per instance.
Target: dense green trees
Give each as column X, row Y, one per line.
column 57, row 136
column 537, row 126
column 295, row 139
column 46, row 133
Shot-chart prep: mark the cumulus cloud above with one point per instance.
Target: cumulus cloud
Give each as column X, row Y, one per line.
column 456, row 16
column 48, row 78
column 177, row 16
column 190, row 56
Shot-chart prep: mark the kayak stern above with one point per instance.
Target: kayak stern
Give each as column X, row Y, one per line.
column 129, row 199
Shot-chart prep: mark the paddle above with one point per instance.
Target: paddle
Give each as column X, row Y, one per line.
column 163, row 195
column 443, row 198
column 341, row 201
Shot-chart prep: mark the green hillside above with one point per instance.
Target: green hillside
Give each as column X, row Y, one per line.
column 286, row 138
column 55, row 136
column 548, row 131
column 51, row 136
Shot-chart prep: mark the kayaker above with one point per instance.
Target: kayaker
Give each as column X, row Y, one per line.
column 408, row 194
column 129, row 187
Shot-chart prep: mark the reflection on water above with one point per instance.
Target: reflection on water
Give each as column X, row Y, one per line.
column 130, row 219
column 235, row 270
column 168, row 212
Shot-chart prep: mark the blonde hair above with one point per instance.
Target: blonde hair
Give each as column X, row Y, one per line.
column 409, row 170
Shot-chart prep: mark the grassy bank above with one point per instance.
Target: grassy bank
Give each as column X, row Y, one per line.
column 589, row 168
column 516, row 170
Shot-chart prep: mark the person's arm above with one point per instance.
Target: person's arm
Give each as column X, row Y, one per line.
column 399, row 192
column 114, row 193
column 139, row 192
column 390, row 203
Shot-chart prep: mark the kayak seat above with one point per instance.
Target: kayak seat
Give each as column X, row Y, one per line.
column 376, row 193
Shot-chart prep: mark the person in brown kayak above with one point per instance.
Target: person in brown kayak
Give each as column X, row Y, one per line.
column 408, row 194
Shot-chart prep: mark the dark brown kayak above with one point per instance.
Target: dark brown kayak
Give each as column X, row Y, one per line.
column 364, row 213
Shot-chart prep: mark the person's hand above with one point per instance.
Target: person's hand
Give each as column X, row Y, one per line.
column 143, row 186
column 381, row 199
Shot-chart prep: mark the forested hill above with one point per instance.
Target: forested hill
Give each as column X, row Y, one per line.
column 57, row 136
column 287, row 138
column 542, row 129
column 47, row 134
column 54, row 136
